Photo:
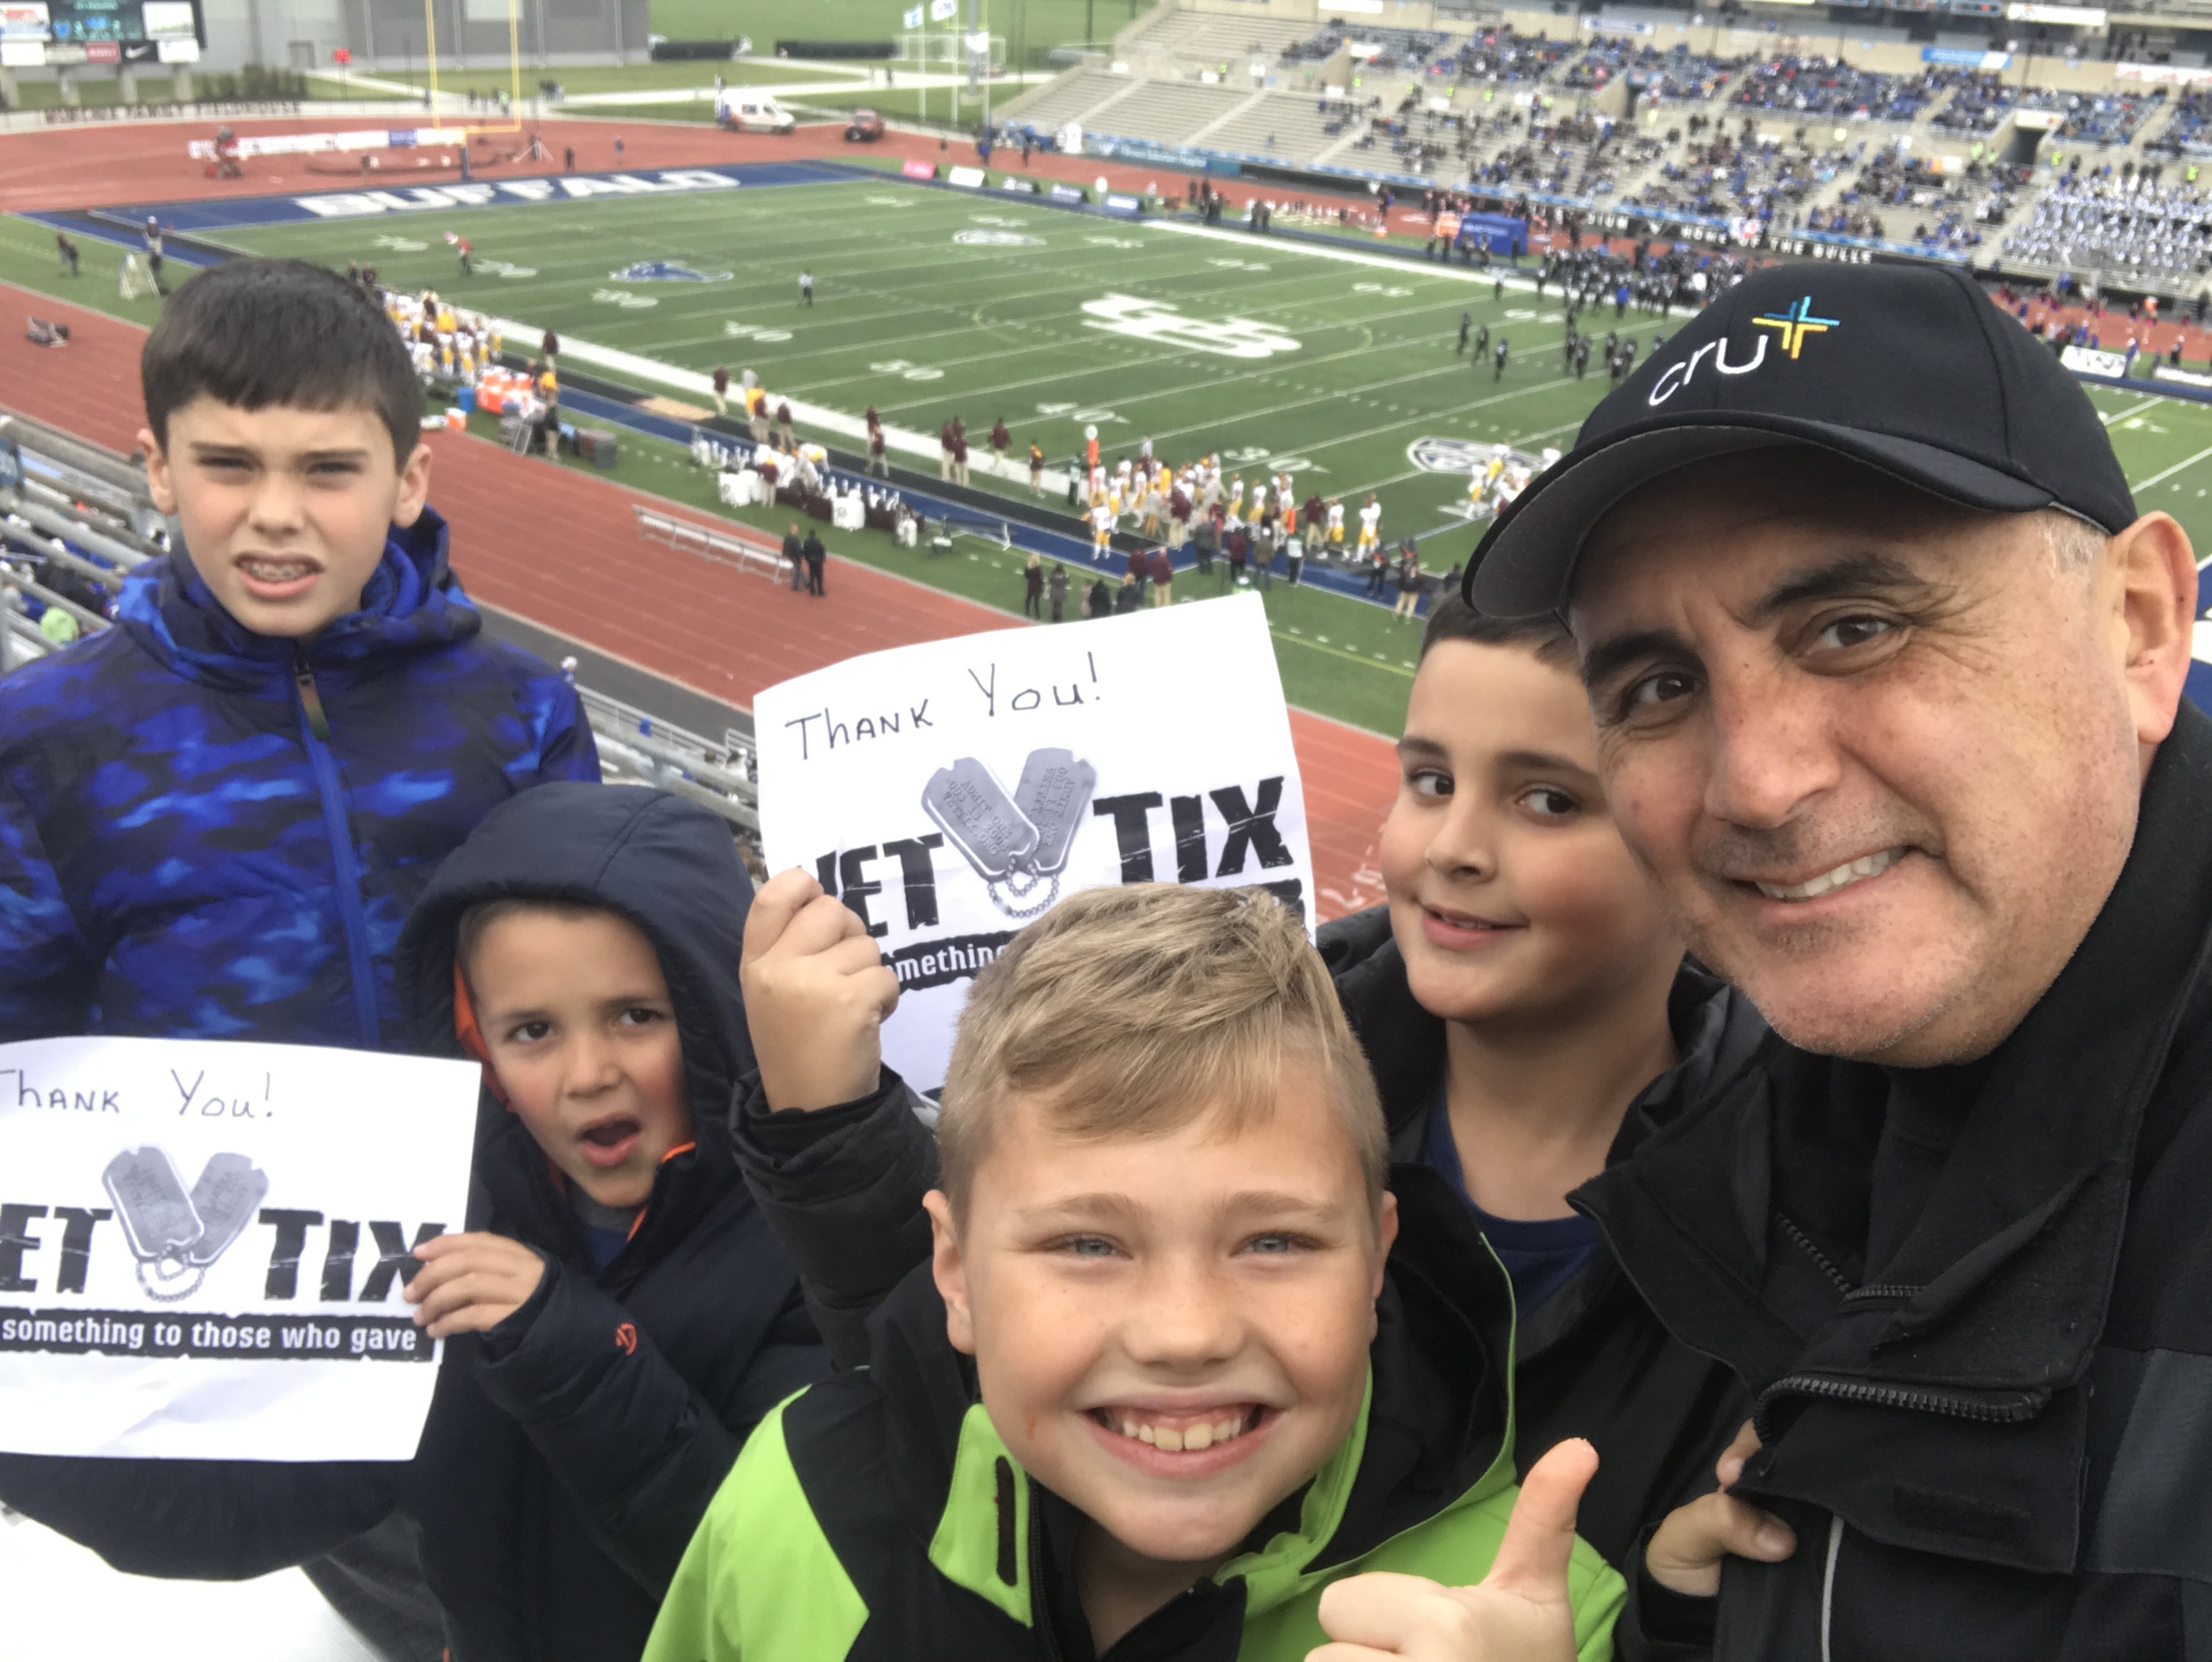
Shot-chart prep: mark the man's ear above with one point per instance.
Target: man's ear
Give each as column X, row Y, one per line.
column 158, row 484
column 2150, row 577
column 949, row 1267
column 414, row 488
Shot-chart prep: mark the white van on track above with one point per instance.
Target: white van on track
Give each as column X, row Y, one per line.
column 750, row 110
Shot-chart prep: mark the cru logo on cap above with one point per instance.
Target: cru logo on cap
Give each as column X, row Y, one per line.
column 1790, row 327
column 1796, row 323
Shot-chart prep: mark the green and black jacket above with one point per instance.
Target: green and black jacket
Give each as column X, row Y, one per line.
column 878, row 1518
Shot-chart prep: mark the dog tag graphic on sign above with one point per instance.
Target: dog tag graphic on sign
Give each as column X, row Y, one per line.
column 980, row 819
column 228, row 1196
column 1053, row 790
column 158, row 1218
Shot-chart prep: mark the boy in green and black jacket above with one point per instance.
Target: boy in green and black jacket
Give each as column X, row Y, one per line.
column 1157, row 1392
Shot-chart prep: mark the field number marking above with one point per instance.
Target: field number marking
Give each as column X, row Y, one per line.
column 624, row 298
column 907, row 371
column 753, row 331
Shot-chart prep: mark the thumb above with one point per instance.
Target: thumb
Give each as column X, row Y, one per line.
column 1540, row 1536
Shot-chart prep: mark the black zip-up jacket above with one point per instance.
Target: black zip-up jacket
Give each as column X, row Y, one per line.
column 571, row 1450
column 843, row 1188
column 1998, row 1444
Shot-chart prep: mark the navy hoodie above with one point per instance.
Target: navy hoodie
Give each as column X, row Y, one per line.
column 571, row 1449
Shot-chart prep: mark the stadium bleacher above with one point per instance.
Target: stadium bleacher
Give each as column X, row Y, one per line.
column 1498, row 55
column 1979, row 104
column 1678, row 75
column 2110, row 119
column 1070, row 98
column 2190, row 131
column 1171, row 112
column 1822, row 87
column 1217, row 40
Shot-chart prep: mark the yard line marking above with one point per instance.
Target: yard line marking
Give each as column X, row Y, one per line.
column 2123, row 414
column 2160, row 479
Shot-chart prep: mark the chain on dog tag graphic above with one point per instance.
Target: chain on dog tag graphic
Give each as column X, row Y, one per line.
column 1017, row 844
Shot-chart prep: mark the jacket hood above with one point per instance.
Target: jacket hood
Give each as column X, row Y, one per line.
column 667, row 864
column 411, row 603
column 1434, row 1432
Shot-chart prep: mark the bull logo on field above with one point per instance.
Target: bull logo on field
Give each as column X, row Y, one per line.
column 1154, row 320
column 1447, row 455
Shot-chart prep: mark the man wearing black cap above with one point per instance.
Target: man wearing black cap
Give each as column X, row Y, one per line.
column 1887, row 670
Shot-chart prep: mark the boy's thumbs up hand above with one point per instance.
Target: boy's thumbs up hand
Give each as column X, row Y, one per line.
column 1519, row 1613
column 817, row 992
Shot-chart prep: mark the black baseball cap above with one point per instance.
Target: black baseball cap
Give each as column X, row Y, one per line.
column 1909, row 368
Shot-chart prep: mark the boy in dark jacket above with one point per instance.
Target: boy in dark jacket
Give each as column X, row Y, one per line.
column 619, row 1314
column 214, row 815
column 1155, row 1396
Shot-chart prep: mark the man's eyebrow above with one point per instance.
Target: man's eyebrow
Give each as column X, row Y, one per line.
column 1608, row 658
column 1426, row 749
column 1855, row 574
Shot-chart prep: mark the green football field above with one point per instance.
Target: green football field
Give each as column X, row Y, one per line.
column 933, row 303
column 1330, row 364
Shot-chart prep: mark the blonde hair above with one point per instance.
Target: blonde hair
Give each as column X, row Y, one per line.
column 1130, row 1012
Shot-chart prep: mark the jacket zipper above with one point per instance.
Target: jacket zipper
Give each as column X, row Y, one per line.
column 353, row 921
column 1881, row 1396
column 1040, row 1616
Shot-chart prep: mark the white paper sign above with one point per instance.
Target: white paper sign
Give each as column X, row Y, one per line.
column 202, row 1245
column 950, row 792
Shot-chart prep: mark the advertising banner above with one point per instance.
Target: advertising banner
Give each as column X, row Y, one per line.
column 24, row 19
column 950, row 791
column 1965, row 58
column 2090, row 361
column 202, row 1246
column 968, row 178
column 919, row 169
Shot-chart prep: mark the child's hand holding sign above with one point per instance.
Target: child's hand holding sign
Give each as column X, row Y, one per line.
column 817, row 993
column 471, row 1284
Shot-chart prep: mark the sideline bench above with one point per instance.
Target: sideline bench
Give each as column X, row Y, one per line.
column 691, row 538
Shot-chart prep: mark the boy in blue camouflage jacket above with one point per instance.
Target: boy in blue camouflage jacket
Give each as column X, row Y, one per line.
column 215, row 816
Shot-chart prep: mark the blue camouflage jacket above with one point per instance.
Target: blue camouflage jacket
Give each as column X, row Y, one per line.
column 209, row 833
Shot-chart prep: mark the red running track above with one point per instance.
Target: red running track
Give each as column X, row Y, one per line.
column 561, row 549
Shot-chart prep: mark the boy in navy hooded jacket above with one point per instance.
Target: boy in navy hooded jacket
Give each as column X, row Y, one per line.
column 619, row 1314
